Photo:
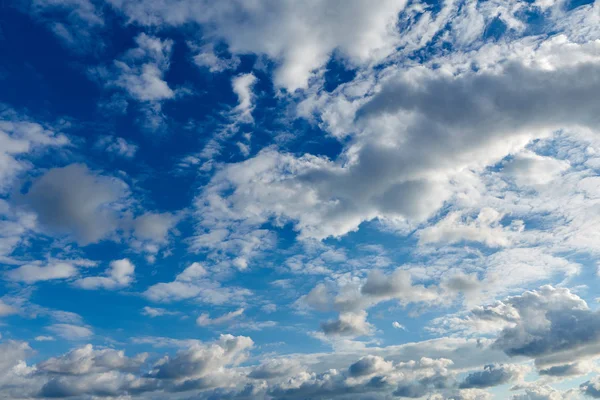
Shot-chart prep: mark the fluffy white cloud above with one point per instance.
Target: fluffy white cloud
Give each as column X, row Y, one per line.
column 484, row 228
column 120, row 274
column 200, row 360
column 192, row 283
column 531, row 169
column 53, row 269
column 413, row 142
column 301, row 38
column 85, row 360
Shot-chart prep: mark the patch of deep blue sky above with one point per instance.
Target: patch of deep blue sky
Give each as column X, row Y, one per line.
column 44, row 78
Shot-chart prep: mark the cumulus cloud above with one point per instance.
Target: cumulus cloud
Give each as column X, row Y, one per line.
column 348, row 324
column 410, row 144
column 531, row 169
column 493, row 375
column 193, row 283
column 485, row 228
column 301, row 39
column 119, row 275
column 85, row 360
column 199, row 360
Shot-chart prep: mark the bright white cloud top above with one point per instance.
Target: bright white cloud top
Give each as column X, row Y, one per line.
column 300, row 200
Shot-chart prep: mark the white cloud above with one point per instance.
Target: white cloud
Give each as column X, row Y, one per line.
column 42, row 338
column 20, row 138
column 192, row 283
column 119, row 275
column 531, row 169
column 205, row 320
column 242, row 86
column 301, row 38
column 37, row 272
column 398, row 325
column 141, row 70
column 153, row 312
column 116, row 145
column 348, row 324
column 409, row 150
column 71, row 332
column 207, row 58
column 485, row 228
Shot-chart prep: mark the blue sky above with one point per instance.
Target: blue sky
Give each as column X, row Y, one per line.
column 316, row 200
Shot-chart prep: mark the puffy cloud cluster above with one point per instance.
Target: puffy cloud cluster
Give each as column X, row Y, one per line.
column 300, row 38
column 120, row 274
column 415, row 136
column 194, row 283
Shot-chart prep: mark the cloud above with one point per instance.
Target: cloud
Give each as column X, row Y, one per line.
column 485, row 228
column 591, row 388
column 199, row 360
column 205, row 320
column 37, row 272
column 531, row 169
column 153, row 312
column 493, row 375
column 370, row 365
column 275, row 368
column 153, row 227
column 192, row 283
column 70, row 332
column 119, row 275
column 85, row 360
column 76, row 22
column 6, row 309
column 574, row 369
column 20, row 139
column 301, row 40
column 543, row 392
column 141, row 69
column 554, row 326
column 116, row 145
column 242, row 86
column 348, row 324
column 44, row 338
column 76, row 201
column 207, row 58
column 398, row 325
column 409, row 146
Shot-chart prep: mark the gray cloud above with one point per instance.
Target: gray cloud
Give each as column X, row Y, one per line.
column 76, row 201
column 492, row 375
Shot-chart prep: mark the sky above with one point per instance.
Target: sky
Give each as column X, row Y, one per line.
column 319, row 199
